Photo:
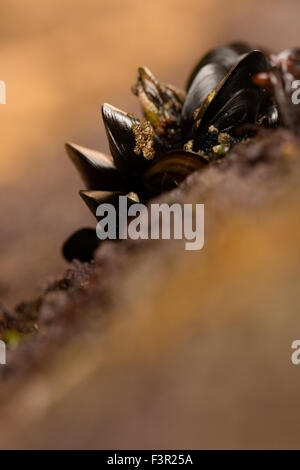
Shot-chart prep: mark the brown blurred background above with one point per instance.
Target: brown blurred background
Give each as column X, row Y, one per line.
column 60, row 62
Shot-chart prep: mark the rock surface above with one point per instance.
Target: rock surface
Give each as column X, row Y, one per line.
column 153, row 346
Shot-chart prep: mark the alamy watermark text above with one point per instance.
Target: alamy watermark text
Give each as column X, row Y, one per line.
column 138, row 221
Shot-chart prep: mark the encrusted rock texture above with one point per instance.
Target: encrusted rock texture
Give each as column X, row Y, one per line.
column 152, row 346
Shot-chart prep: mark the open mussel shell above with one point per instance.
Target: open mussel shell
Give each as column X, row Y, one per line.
column 81, row 245
column 239, row 78
column 161, row 104
column 148, row 90
column 226, row 56
column 121, row 138
column 96, row 169
column 170, row 169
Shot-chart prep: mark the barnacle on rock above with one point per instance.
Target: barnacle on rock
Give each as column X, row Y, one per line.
column 231, row 92
column 144, row 142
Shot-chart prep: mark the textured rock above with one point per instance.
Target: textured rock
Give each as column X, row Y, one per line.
column 156, row 347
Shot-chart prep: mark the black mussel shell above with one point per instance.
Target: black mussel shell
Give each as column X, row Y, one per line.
column 95, row 168
column 94, row 198
column 242, row 107
column 269, row 114
column 239, row 78
column 227, row 56
column 210, row 71
column 207, row 79
column 122, row 143
column 81, row 245
column 170, row 169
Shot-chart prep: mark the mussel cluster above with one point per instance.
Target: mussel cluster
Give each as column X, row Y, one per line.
column 231, row 92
